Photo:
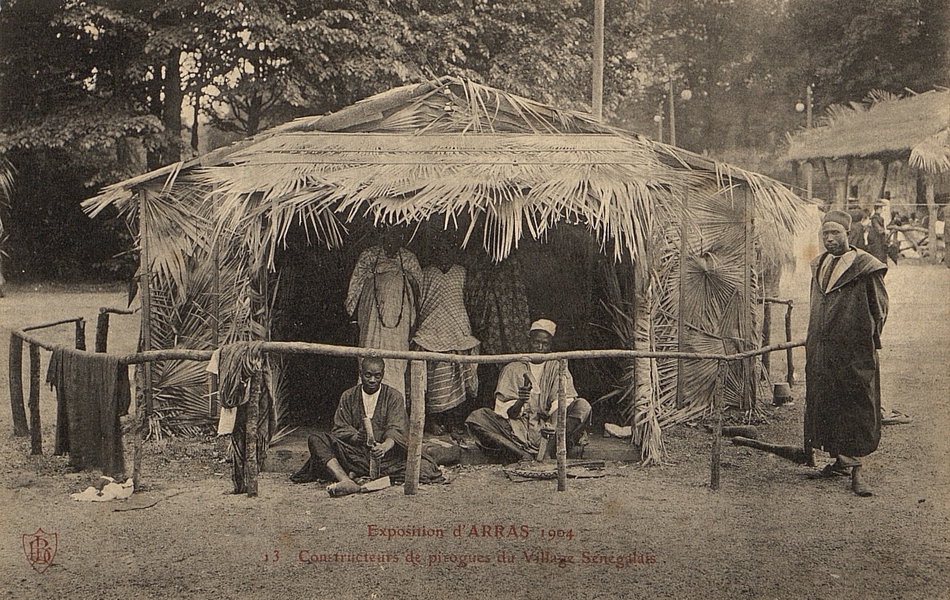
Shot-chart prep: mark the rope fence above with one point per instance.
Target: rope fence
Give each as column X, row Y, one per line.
column 416, row 391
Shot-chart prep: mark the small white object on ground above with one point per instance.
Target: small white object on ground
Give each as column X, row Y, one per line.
column 111, row 491
column 617, row 431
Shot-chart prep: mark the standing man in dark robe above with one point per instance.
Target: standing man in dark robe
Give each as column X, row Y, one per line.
column 847, row 313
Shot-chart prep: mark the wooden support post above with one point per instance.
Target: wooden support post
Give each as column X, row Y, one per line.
column 20, row 428
column 139, row 427
column 680, row 319
column 561, row 428
column 80, row 334
column 716, row 458
column 36, row 430
column 102, row 331
column 747, row 327
column 931, row 219
column 214, row 382
column 417, row 421
column 766, row 332
column 143, row 399
column 145, row 293
column 252, row 468
column 789, row 363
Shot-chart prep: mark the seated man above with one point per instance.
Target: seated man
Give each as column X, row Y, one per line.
column 526, row 403
column 344, row 454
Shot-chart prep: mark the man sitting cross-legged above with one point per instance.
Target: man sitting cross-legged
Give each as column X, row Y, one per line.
column 526, row 404
column 343, row 453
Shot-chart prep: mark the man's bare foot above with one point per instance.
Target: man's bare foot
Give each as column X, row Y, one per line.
column 343, row 488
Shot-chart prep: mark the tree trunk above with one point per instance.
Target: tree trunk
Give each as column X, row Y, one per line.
column 254, row 115
column 171, row 108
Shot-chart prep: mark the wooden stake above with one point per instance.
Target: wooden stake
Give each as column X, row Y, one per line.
column 561, row 428
column 102, row 331
column 20, row 428
column 746, row 328
column 417, row 421
column 789, row 363
column 766, row 332
column 680, row 320
column 252, row 467
column 143, row 404
column 716, row 458
column 138, row 435
column 36, row 431
column 80, row 334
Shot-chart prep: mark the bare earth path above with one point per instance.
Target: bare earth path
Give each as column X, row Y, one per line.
column 770, row 532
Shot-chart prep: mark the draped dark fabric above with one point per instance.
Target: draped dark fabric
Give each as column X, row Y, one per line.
column 92, row 392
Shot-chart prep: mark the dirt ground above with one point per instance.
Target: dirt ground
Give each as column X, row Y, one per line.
column 770, row 532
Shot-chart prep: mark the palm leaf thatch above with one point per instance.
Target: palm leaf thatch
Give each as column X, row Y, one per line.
column 492, row 165
column 915, row 127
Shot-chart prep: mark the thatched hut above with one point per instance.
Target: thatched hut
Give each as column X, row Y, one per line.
column 257, row 240
column 907, row 133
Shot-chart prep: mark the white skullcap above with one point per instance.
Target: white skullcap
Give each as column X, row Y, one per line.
column 544, row 325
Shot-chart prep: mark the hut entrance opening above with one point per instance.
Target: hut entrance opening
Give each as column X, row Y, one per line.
column 564, row 278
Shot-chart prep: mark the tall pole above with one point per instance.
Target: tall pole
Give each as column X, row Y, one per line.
column 808, row 169
column 672, row 114
column 597, row 77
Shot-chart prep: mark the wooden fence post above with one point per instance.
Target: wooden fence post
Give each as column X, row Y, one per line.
column 789, row 363
column 561, row 428
column 766, row 331
column 20, row 427
column 417, row 420
column 102, row 331
column 250, row 435
column 80, row 334
column 138, row 430
column 36, row 432
column 716, row 459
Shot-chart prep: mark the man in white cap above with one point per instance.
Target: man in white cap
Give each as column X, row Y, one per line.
column 526, row 403
column 848, row 308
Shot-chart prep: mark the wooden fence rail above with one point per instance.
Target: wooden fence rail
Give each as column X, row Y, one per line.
column 417, row 420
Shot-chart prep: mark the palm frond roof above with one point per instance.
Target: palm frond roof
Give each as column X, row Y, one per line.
column 915, row 127
column 448, row 148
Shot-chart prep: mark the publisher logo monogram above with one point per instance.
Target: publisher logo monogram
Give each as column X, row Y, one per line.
column 40, row 548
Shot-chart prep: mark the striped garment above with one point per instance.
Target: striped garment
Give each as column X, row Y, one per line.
column 444, row 327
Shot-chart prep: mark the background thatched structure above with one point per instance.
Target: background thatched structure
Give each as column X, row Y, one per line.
column 236, row 239
column 914, row 130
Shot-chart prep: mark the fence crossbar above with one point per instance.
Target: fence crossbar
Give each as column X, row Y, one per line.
column 416, row 427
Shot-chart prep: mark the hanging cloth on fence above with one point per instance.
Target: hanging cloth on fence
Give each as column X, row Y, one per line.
column 92, row 392
column 237, row 365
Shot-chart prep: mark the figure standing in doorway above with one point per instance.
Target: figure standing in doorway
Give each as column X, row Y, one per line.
column 382, row 295
column 444, row 327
